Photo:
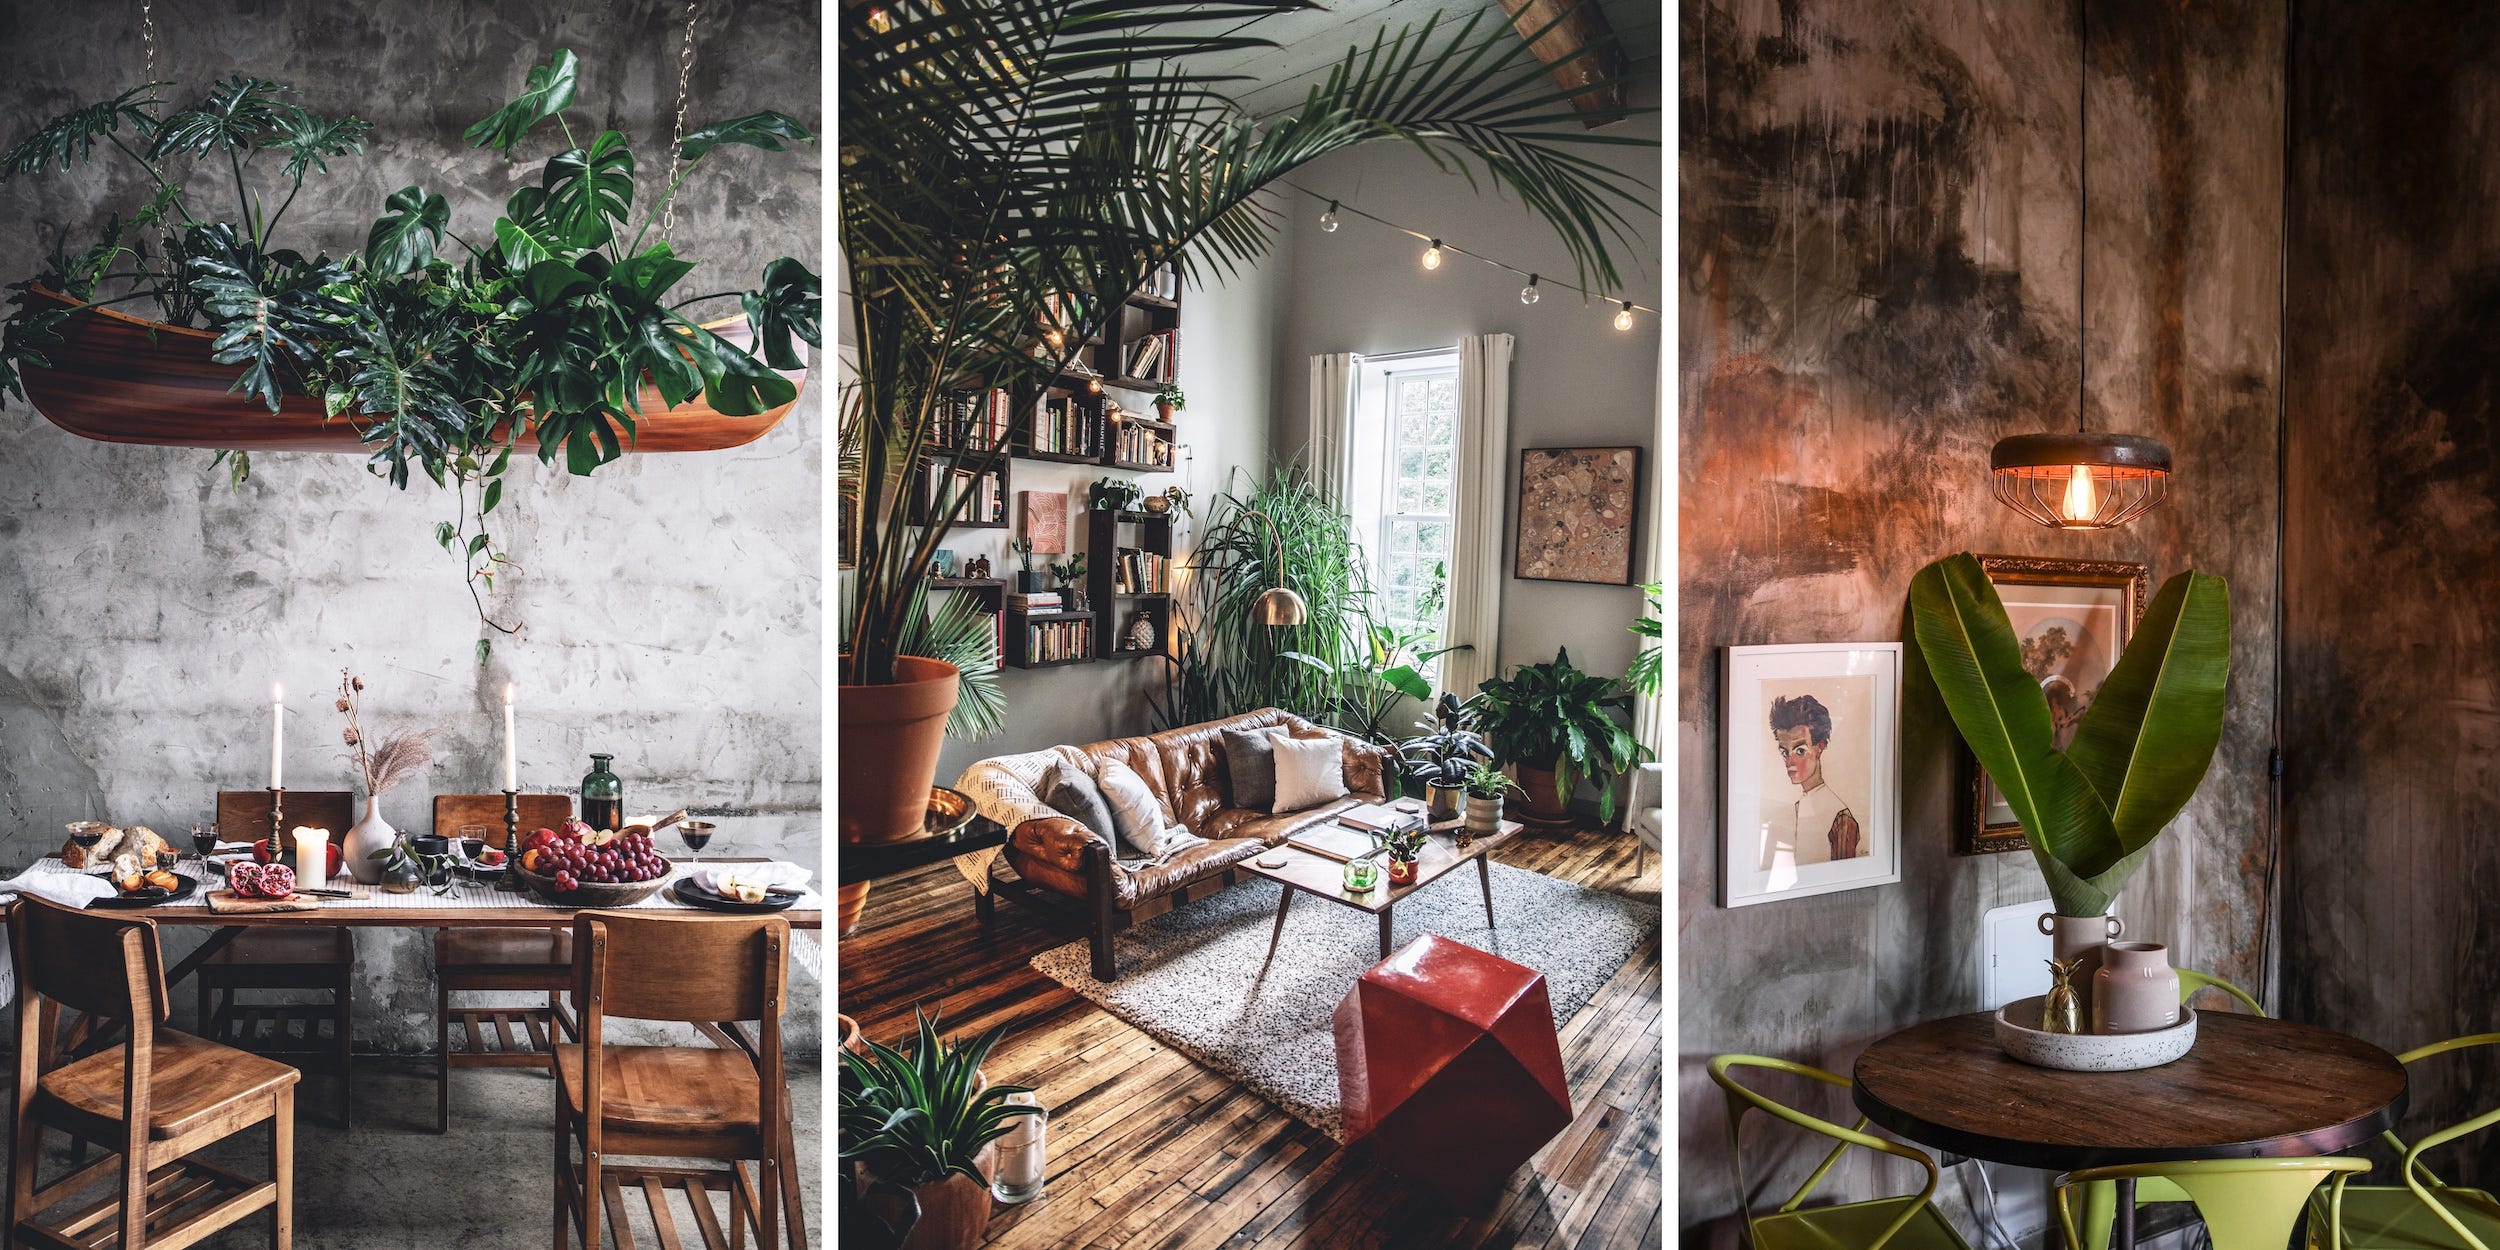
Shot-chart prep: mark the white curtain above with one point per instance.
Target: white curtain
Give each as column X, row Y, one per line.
column 1335, row 380
column 1477, row 569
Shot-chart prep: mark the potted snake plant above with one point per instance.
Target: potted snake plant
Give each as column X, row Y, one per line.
column 923, row 1120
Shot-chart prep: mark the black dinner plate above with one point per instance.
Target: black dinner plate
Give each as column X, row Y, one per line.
column 151, row 896
column 692, row 895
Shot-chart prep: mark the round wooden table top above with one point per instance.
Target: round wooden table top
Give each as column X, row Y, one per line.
column 2252, row 1087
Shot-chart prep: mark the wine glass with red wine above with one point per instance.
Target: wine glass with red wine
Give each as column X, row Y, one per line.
column 696, row 834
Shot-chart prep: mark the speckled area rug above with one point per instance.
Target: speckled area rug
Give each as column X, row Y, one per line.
column 1191, row 976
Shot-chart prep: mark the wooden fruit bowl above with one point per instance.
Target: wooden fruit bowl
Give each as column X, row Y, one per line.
column 590, row 893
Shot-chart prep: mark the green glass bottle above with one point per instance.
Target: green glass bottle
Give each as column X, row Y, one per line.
column 603, row 795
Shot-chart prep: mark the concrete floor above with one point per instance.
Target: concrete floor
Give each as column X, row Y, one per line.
column 392, row 1184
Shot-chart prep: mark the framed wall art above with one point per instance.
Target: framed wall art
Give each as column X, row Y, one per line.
column 1579, row 514
column 2074, row 617
column 1812, row 752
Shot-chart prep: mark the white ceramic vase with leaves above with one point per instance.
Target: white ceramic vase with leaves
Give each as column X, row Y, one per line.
column 396, row 758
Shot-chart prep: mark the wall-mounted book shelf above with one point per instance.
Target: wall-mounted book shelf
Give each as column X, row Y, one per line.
column 941, row 475
column 1128, row 574
column 1049, row 639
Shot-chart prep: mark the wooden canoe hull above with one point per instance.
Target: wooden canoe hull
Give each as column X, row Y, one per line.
column 120, row 379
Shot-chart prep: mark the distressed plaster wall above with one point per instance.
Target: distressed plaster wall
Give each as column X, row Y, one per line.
column 1879, row 256
column 671, row 601
column 2394, row 291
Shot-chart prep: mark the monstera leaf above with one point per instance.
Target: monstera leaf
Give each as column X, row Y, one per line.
column 547, row 93
column 2090, row 812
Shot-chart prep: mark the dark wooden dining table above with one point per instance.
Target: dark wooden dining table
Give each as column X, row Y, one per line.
column 2252, row 1087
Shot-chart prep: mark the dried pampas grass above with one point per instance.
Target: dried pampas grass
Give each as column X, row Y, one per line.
column 400, row 757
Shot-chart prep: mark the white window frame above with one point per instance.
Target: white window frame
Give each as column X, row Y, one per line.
column 1375, row 465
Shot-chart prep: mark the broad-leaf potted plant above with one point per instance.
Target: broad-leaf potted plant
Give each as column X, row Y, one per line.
column 1486, row 785
column 978, row 189
column 923, row 1119
column 1401, row 847
column 1559, row 726
column 1444, row 759
column 1169, row 400
column 2091, row 811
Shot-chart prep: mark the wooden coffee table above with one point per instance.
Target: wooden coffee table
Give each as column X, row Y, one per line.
column 1312, row 873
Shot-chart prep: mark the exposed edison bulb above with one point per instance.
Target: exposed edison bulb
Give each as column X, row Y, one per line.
column 1432, row 255
column 1094, row 385
column 1623, row 320
column 879, row 22
column 1527, row 294
column 1053, row 337
column 2083, row 498
column 1328, row 220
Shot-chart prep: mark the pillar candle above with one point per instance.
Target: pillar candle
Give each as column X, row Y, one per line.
column 511, row 760
column 277, row 737
column 1020, row 1165
column 312, row 858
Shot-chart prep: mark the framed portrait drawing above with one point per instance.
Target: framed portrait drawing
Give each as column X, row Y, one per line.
column 1579, row 514
column 1812, row 753
column 2074, row 617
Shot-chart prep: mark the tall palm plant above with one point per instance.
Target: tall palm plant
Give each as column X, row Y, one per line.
column 998, row 153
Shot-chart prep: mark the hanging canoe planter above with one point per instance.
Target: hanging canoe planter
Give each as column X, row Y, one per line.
column 117, row 378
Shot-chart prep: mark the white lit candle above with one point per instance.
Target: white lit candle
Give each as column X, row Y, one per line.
column 1020, row 1165
column 511, row 760
column 312, row 858
column 277, row 737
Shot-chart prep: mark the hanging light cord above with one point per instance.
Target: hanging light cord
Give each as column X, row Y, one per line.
column 1341, row 206
column 677, row 137
column 2083, row 213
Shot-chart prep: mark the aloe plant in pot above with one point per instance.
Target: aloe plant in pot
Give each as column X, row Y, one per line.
column 977, row 189
column 923, row 1120
column 1560, row 726
column 2091, row 811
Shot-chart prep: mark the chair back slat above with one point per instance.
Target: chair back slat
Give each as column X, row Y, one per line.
column 243, row 815
column 538, row 811
column 687, row 969
column 83, row 960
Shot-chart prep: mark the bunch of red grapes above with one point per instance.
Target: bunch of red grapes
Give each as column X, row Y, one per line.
column 571, row 859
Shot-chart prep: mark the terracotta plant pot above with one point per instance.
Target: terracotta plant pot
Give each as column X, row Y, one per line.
column 1401, row 871
column 890, row 741
column 849, row 901
column 1542, row 805
column 120, row 379
column 851, row 1039
column 1163, row 411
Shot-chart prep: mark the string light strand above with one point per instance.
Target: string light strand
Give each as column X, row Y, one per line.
column 1437, row 249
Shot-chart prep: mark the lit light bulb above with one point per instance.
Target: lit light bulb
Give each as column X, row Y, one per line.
column 1053, row 337
column 1527, row 294
column 879, row 22
column 1432, row 255
column 1623, row 320
column 1094, row 385
column 2083, row 500
column 1328, row 220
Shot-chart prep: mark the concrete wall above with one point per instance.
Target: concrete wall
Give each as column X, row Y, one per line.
column 1575, row 380
column 672, row 600
column 2394, row 291
column 1879, row 257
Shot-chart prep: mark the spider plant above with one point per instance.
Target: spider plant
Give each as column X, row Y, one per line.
column 998, row 153
column 917, row 1118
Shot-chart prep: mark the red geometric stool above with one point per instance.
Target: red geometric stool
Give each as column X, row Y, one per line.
column 1447, row 1062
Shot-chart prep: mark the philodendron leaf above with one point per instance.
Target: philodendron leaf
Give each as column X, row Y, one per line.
column 738, row 385
column 788, row 306
column 590, row 189
column 762, row 130
column 549, row 91
column 404, row 238
column 1976, row 659
column 2150, row 733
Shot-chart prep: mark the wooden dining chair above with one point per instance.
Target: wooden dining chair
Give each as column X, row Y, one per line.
column 2425, row 1212
column 509, row 958
column 290, row 959
column 1909, row 1222
column 154, row 1100
column 726, row 1102
column 2247, row 1204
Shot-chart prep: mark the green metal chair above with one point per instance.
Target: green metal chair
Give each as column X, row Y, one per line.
column 2424, row 1213
column 2247, row 1204
column 1909, row 1222
column 2100, row 1201
column 2191, row 981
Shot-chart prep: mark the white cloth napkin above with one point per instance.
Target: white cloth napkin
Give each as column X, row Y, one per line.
column 69, row 889
column 773, row 875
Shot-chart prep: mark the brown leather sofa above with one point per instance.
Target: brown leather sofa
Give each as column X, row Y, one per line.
column 1187, row 769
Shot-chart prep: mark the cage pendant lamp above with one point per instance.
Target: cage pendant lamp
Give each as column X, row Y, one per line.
column 2081, row 481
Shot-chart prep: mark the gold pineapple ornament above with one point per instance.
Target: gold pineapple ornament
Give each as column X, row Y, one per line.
column 2061, row 1011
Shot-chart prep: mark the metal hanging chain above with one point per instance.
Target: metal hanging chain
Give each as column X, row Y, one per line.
column 677, row 137
column 147, row 33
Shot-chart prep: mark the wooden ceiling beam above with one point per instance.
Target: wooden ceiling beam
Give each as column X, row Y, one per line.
column 1580, row 48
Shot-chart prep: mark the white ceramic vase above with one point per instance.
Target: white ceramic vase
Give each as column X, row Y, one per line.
column 2082, row 937
column 2136, row 990
column 364, row 838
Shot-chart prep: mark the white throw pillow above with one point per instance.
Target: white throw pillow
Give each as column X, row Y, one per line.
column 1135, row 814
column 1309, row 772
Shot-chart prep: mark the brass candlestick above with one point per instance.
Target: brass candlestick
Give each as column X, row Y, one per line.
column 279, row 851
column 511, row 881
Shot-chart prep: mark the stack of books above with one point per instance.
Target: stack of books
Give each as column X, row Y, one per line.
column 971, row 420
column 943, row 483
column 1063, row 427
column 1037, row 601
column 1376, row 818
column 1135, row 444
column 1155, row 357
column 1140, row 572
column 1046, row 639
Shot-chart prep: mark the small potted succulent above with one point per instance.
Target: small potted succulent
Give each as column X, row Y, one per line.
column 923, row 1119
column 1027, row 581
column 1485, row 787
column 1442, row 759
column 1169, row 400
column 1070, row 573
column 1402, row 847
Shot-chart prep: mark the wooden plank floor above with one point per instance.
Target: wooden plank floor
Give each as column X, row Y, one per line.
column 1151, row 1151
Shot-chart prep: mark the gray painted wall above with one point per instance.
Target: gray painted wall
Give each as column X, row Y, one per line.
column 2389, row 931
column 1879, row 262
column 672, row 600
